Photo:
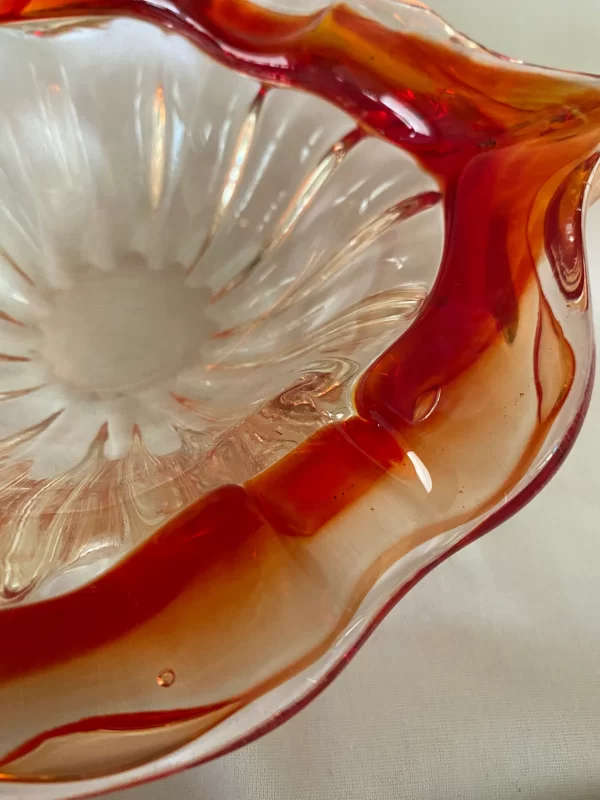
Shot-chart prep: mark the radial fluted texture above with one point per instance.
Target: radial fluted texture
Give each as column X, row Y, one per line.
column 194, row 269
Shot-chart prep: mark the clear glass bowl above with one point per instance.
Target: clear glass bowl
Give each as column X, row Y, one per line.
column 292, row 307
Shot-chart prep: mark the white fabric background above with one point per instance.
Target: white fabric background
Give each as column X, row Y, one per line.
column 484, row 683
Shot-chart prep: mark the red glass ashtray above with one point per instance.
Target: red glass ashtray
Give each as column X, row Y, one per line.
column 292, row 307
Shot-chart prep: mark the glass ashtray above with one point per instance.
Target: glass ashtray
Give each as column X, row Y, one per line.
column 293, row 305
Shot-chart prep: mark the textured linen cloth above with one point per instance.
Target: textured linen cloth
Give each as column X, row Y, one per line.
column 484, row 682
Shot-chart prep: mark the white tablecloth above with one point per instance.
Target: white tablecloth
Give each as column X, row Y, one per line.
column 484, row 682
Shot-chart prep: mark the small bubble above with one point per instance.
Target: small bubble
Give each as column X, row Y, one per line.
column 425, row 405
column 166, row 678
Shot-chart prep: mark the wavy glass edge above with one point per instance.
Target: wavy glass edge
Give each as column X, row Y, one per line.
column 275, row 708
column 374, row 607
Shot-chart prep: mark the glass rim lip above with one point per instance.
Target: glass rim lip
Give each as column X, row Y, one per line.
column 451, row 33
